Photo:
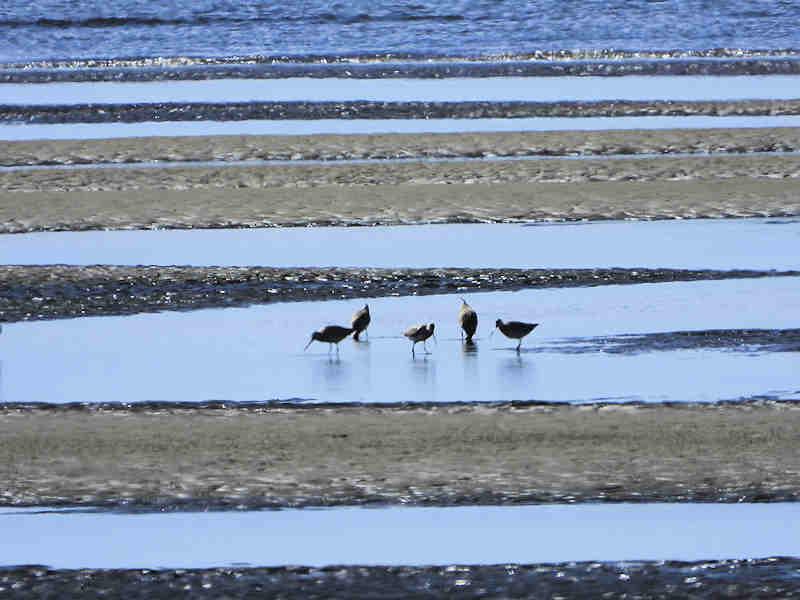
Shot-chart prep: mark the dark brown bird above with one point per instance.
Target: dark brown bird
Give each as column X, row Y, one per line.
column 332, row 334
column 515, row 330
column 419, row 333
column 360, row 321
column 468, row 319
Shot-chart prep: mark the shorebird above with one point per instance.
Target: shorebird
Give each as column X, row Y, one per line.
column 419, row 333
column 515, row 329
column 360, row 321
column 331, row 334
column 468, row 319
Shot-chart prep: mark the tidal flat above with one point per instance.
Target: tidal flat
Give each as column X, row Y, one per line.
column 162, row 456
column 763, row 578
column 732, row 175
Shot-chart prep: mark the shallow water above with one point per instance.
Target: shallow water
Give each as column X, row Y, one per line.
column 685, row 244
column 87, row 131
column 257, row 353
column 418, row 536
column 492, row 89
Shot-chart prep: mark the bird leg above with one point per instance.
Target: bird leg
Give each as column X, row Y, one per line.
column 519, row 344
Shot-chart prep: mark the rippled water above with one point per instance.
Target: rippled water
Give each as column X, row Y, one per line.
column 50, row 29
column 419, row 536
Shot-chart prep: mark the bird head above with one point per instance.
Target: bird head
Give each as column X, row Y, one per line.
column 314, row 336
column 498, row 322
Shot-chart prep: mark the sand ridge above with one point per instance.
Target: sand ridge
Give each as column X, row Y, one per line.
column 228, row 456
column 380, row 146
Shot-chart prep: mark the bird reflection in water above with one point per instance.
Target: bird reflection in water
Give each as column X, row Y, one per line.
column 517, row 373
column 423, row 378
column 330, row 372
column 471, row 366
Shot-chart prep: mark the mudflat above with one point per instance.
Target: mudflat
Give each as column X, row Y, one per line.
column 737, row 179
column 396, row 146
column 323, row 455
column 396, row 204
column 61, row 291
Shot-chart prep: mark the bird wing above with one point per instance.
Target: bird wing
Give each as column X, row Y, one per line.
column 360, row 319
column 412, row 331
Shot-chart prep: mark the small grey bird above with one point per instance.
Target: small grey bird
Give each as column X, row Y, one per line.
column 515, row 330
column 468, row 319
column 360, row 321
column 419, row 333
column 331, row 334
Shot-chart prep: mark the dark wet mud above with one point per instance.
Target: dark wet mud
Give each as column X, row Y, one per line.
column 50, row 292
column 759, row 578
column 300, row 110
column 363, row 68
column 739, row 340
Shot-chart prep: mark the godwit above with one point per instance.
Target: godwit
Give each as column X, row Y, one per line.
column 468, row 319
column 419, row 333
column 332, row 334
column 515, row 329
column 360, row 321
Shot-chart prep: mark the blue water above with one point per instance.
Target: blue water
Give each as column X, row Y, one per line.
column 400, row 536
column 65, row 29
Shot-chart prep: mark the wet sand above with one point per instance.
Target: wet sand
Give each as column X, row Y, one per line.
column 396, row 204
column 414, row 173
column 48, row 292
column 156, row 456
column 445, row 145
column 763, row 578
column 738, row 185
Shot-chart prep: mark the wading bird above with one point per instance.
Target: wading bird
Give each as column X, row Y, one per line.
column 468, row 319
column 332, row 334
column 515, row 329
column 419, row 333
column 360, row 321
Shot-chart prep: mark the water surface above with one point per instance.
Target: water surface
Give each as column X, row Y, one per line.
column 54, row 29
column 86, row 131
column 682, row 244
column 492, row 89
column 256, row 354
column 401, row 536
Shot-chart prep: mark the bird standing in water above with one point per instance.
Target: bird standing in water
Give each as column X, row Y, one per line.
column 331, row 334
column 515, row 329
column 360, row 321
column 419, row 333
column 468, row 319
